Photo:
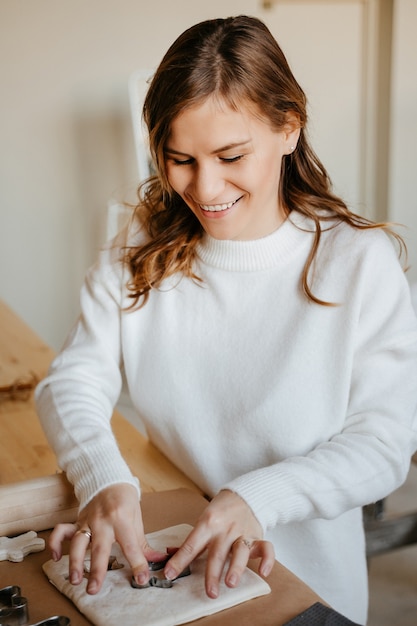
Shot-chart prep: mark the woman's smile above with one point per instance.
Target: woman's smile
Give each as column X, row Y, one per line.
column 218, row 208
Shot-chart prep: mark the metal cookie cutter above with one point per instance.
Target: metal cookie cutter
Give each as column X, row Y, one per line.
column 14, row 610
column 13, row 607
column 155, row 581
column 58, row 620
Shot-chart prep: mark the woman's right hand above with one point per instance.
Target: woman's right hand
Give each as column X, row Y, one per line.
column 114, row 514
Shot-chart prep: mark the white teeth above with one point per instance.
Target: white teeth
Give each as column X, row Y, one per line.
column 217, row 207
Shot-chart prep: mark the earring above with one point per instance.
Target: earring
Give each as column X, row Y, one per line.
column 292, row 148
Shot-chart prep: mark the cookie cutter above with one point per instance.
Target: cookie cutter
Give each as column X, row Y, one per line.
column 155, row 581
column 14, row 610
column 57, row 620
column 13, row 606
column 112, row 565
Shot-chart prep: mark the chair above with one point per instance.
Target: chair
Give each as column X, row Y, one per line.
column 385, row 533
column 138, row 86
column 118, row 213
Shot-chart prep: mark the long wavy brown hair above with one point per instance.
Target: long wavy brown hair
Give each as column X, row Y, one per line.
column 237, row 60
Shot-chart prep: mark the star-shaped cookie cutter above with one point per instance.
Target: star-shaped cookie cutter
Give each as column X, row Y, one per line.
column 156, row 581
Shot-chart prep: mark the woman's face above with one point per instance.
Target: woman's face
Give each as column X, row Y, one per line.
column 226, row 166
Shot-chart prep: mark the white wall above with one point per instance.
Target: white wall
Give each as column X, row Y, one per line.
column 403, row 149
column 67, row 144
column 323, row 44
column 66, row 139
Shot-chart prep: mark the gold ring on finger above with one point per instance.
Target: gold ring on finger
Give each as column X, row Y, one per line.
column 247, row 543
column 86, row 532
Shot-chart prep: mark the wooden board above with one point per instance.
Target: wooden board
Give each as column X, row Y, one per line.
column 24, row 451
column 22, row 354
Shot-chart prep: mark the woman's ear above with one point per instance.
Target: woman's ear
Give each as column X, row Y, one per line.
column 292, row 130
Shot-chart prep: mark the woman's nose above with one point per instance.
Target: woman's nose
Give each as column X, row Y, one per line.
column 207, row 184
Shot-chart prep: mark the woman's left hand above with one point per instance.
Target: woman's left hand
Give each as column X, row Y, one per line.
column 227, row 527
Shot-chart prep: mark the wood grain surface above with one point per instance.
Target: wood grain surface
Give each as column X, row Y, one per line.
column 289, row 596
column 24, row 451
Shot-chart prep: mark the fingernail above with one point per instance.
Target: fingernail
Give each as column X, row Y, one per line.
column 170, row 573
column 55, row 556
column 213, row 592
column 265, row 570
column 74, row 578
column 141, row 578
column 232, row 580
column 92, row 586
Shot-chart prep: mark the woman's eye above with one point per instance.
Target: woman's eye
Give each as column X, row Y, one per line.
column 232, row 159
column 190, row 161
column 182, row 161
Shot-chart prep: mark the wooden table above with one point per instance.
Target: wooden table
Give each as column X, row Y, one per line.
column 24, row 450
column 289, row 596
column 26, row 456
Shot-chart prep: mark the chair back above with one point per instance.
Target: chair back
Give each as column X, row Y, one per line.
column 138, row 86
column 118, row 214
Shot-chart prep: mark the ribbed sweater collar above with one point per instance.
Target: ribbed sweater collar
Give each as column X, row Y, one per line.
column 258, row 254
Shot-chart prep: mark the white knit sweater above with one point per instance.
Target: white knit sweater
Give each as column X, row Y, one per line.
column 307, row 411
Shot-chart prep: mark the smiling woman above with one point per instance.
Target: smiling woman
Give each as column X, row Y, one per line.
column 265, row 331
column 226, row 165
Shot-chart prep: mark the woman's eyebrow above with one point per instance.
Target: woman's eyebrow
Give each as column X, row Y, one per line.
column 172, row 151
column 229, row 146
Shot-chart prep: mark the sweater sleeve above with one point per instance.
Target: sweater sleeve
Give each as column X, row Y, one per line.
column 75, row 401
column 370, row 456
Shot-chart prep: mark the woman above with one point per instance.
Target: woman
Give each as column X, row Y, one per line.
column 266, row 333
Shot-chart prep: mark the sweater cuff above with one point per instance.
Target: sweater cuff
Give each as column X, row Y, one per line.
column 271, row 497
column 90, row 475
